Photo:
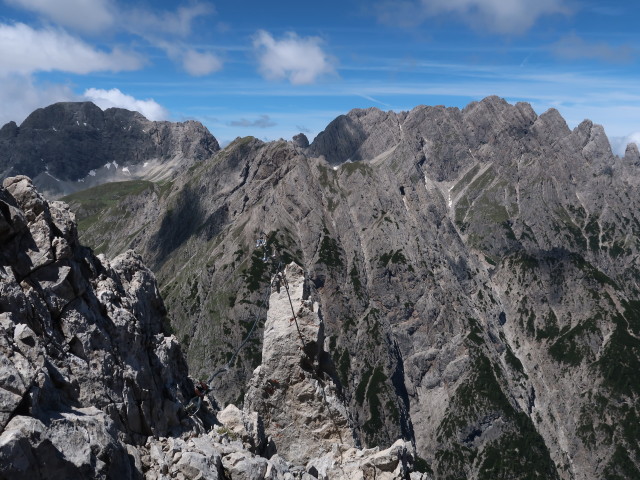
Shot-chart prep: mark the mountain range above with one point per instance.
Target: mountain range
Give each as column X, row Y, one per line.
column 466, row 280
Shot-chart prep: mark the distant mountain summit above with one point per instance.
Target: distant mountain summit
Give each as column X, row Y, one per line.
column 70, row 146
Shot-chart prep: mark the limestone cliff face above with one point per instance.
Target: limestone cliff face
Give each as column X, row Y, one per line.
column 475, row 271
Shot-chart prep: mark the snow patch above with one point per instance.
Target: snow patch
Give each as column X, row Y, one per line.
column 107, row 166
column 126, row 170
column 54, row 129
column 92, row 173
column 56, row 179
column 145, row 164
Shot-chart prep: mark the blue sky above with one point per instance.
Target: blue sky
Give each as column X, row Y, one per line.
column 272, row 69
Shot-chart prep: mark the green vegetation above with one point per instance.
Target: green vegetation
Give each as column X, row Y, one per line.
column 396, row 257
column 344, row 365
column 355, row 279
column 164, row 188
column 421, row 465
column 371, row 387
column 352, row 167
column 524, row 261
column 520, row 452
column 94, row 202
column 328, row 179
column 361, row 389
column 228, row 432
column 571, row 348
column 513, row 361
column 330, row 252
column 620, row 362
column 256, row 273
column 579, row 261
column 621, row 467
column 464, row 181
column 550, row 328
column 475, row 333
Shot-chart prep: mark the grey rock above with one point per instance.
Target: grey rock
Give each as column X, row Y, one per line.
column 244, row 467
column 293, row 397
column 300, row 140
column 632, row 155
column 81, row 380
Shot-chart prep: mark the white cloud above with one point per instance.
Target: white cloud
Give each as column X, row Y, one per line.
column 300, row 60
column 619, row 144
column 264, row 121
column 498, row 16
column 149, row 23
column 163, row 29
column 20, row 95
column 92, row 16
column 115, row 98
column 573, row 47
column 84, row 15
column 25, row 50
column 200, row 63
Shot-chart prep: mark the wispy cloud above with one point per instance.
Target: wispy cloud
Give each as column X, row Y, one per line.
column 573, row 47
column 619, row 144
column 25, row 50
column 498, row 16
column 198, row 64
column 115, row 98
column 371, row 99
column 83, row 15
column 20, row 95
column 264, row 121
column 168, row 30
column 301, row 60
column 179, row 23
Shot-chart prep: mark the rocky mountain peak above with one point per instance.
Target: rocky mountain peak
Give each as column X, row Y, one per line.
column 632, row 155
column 9, row 130
column 359, row 135
column 73, row 145
column 63, row 114
column 300, row 140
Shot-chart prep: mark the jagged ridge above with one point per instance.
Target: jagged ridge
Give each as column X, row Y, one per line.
column 464, row 249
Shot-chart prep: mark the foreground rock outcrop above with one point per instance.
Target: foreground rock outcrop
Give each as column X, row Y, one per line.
column 87, row 367
column 292, row 389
